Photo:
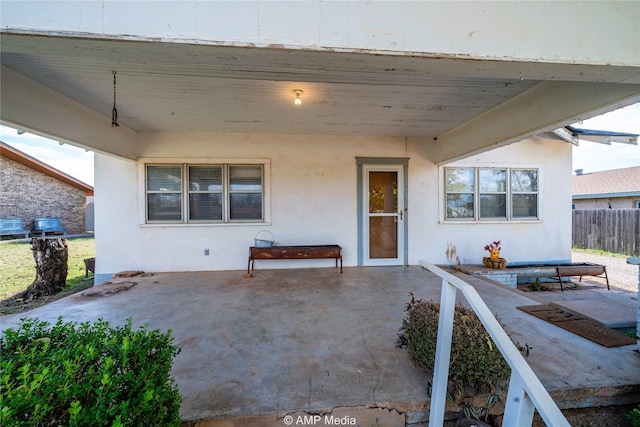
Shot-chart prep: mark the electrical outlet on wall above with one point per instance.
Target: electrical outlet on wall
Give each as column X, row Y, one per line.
column 206, row 252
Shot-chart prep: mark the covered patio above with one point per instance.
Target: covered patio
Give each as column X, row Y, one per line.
column 313, row 341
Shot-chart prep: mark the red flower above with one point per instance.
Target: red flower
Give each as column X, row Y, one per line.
column 493, row 245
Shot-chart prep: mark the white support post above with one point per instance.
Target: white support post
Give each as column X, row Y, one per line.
column 636, row 261
column 519, row 409
column 443, row 355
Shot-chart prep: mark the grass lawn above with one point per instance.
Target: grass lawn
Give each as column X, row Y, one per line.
column 599, row 252
column 17, row 272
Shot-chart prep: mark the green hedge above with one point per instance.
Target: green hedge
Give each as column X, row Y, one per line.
column 87, row 375
column 634, row 417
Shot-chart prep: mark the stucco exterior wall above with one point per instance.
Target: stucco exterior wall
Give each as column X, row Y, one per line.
column 546, row 240
column 311, row 187
column 26, row 193
column 573, row 31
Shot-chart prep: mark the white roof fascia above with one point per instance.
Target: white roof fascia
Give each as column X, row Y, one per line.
column 566, row 136
column 600, row 139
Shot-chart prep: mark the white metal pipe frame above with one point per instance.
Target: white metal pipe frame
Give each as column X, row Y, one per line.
column 526, row 393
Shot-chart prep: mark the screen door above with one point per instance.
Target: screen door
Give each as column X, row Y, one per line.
column 383, row 231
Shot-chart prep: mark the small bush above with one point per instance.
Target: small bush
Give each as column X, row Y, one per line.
column 634, row 417
column 87, row 375
column 475, row 360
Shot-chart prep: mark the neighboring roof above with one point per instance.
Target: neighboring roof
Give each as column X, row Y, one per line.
column 575, row 135
column 611, row 183
column 18, row 156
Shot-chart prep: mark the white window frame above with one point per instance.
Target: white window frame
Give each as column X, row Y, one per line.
column 223, row 194
column 179, row 192
column 184, row 163
column 476, row 195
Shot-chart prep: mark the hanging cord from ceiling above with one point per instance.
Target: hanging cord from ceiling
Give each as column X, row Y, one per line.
column 114, row 111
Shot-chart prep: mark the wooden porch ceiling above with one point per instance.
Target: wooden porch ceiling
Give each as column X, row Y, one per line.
column 165, row 86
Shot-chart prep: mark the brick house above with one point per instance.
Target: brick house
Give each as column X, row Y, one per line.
column 615, row 189
column 30, row 188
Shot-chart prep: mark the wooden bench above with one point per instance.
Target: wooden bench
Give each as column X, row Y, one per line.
column 48, row 225
column 295, row 252
column 12, row 227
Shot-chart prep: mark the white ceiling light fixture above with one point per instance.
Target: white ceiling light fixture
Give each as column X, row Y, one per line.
column 298, row 92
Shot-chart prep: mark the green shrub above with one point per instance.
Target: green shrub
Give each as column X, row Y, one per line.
column 475, row 360
column 87, row 375
column 634, row 417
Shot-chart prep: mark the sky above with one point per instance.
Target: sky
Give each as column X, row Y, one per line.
column 589, row 156
column 593, row 157
column 72, row 160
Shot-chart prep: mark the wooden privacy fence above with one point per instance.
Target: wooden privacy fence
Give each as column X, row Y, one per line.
column 612, row 230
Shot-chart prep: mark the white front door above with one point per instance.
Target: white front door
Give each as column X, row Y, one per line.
column 383, row 215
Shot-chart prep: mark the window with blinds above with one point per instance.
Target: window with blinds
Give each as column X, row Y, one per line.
column 245, row 193
column 164, row 193
column 204, row 193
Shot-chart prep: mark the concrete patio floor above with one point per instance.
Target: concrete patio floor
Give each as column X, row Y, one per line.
column 311, row 340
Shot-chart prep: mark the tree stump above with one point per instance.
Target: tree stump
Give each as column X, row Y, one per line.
column 51, row 255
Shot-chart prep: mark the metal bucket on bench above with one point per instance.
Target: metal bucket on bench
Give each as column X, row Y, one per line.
column 261, row 242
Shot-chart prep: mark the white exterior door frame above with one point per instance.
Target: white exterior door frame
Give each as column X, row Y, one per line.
column 367, row 216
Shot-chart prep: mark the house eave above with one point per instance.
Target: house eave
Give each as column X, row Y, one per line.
column 575, row 135
column 606, row 195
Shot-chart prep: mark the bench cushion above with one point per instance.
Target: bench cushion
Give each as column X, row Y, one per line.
column 50, row 224
column 11, row 226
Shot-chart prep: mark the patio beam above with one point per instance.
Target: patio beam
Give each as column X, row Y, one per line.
column 544, row 107
column 30, row 106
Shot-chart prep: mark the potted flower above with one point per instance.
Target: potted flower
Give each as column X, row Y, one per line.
column 494, row 250
column 494, row 260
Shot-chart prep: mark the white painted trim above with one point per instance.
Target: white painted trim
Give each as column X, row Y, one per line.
column 203, row 224
column 566, row 136
column 142, row 198
column 204, row 160
column 399, row 169
column 442, row 219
